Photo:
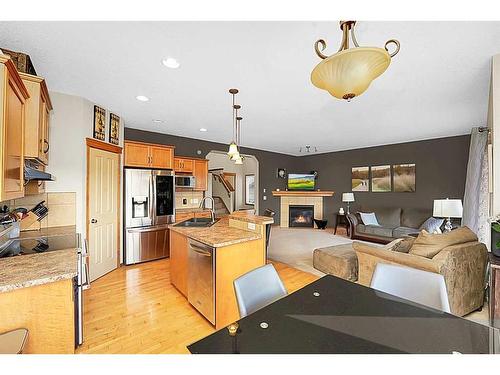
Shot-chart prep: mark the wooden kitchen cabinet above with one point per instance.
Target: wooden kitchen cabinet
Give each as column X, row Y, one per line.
column 147, row 155
column 183, row 165
column 13, row 97
column 200, row 174
column 179, row 261
column 185, row 215
column 36, row 129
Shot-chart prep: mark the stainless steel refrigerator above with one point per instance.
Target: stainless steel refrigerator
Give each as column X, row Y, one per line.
column 148, row 208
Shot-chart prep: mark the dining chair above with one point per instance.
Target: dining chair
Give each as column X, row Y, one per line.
column 268, row 213
column 257, row 289
column 426, row 288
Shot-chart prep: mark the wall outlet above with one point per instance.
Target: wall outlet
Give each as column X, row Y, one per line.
column 264, row 198
column 251, row 226
column 264, row 190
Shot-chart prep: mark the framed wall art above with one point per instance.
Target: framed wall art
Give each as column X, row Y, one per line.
column 360, row 177
column 404, row 177
column 99, row 123
column 114, row 128
column 381, row 178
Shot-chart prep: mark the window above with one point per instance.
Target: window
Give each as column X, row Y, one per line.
column 250, row 189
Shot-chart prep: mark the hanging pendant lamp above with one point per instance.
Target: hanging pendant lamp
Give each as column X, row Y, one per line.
column 233, row 147
column 349, row 72
column 238, row 159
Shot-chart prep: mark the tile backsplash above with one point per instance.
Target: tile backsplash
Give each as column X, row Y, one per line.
column 188, row 199
column 61, row 205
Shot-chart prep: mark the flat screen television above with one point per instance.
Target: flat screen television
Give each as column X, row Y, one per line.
column 298, row 181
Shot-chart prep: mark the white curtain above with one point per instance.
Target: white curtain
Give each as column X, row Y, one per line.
column 476, row 204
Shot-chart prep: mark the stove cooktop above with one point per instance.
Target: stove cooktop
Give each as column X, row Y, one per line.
column 38, row 245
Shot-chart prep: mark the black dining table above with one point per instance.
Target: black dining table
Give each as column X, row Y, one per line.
column 335, row 316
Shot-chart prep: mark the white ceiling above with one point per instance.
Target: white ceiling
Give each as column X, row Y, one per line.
column 436, row 86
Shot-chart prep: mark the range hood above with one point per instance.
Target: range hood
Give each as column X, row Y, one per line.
column 32, row 173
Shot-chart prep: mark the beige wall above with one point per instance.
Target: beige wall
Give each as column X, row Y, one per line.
column 250, row 165
column 71, row 123
column 494, row 125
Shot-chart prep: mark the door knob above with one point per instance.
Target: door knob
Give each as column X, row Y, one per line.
column 93, row 221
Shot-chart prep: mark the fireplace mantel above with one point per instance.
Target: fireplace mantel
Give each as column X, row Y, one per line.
column 301, row 198
column 299, row 193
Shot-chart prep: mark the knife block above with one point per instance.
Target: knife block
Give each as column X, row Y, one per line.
column 30, row 222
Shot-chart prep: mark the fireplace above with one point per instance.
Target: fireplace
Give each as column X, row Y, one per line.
column 301, row 216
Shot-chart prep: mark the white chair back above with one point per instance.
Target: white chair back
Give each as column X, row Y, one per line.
column 258, row 288
column 426, row 288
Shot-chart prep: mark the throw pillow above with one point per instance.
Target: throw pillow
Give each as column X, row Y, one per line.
column 428, row 245
column 432, row 225
column 404, row 245
column 369, row 218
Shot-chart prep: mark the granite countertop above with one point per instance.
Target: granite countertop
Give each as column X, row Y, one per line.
column 48, row 232
column 247, row 216
column 36, row 269
column 218, row 235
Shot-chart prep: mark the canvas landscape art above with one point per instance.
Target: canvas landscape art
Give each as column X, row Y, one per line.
column 404, row 177
column 360, row 178
column 381, row 178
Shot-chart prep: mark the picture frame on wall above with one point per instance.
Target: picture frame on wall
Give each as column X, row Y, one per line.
column 404, row 176
column 360, row 178
column 381, row 180
column 114, row 128
column 99, row 123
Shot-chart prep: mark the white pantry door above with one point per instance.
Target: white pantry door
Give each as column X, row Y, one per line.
column 102, row 215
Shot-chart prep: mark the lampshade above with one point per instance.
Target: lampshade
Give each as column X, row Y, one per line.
column 348, row 73
column 235, row 156
column 347, row 197
column 233, row 149
column 447, row 208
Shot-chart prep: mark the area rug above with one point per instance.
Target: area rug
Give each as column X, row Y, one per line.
column 295, row 246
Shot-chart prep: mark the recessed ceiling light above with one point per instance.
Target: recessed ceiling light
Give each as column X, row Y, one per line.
column 158, row 121
column 171, row 63
column 142, row 98
column 203, row 130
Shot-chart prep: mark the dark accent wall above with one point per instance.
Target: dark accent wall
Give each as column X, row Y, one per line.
column 441, row 166
column 268, row 161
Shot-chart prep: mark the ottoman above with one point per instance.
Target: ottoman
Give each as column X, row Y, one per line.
column 339, row 260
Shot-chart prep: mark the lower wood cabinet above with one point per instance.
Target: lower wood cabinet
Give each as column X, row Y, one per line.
column 181, row 216
column 48, row 313
column 179, row 261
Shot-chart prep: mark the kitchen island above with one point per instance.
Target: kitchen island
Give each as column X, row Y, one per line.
column 36, row 293
column 204, row 262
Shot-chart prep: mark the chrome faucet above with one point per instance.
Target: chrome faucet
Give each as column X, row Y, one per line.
column 212, row 212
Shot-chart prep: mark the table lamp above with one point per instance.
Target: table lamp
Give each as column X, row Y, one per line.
column 348, row 198
column 448, row 208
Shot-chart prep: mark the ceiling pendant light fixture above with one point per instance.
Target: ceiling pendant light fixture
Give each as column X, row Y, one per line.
column 238, row 159
column 233, row 148
column 348, row 73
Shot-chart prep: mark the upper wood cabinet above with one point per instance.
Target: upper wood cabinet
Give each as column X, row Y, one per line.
column 201, row 174
column 183, row 165
column 13, row 97
column 38, row 107
column 147, row 155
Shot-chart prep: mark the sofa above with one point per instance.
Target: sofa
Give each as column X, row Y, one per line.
column 394, row 223
column 462, row 262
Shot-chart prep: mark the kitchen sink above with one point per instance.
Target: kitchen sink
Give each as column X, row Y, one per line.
column 197, row 222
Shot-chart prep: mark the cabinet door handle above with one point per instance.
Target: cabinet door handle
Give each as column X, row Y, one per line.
column 47, row 146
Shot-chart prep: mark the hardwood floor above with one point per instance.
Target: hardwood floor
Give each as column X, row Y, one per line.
column 135, row 309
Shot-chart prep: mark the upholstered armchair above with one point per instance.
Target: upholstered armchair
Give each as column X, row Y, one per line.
column 463, row 267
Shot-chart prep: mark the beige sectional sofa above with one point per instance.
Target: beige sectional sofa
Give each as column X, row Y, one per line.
column 457, row 255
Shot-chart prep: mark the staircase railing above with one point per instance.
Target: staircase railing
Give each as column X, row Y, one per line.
column 223, row 189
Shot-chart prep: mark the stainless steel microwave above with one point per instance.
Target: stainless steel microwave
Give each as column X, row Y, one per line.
column 184, row 181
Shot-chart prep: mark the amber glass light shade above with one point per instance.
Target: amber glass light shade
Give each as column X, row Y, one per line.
column 350, row 72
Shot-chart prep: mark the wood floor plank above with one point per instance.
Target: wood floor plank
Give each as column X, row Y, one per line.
column 135, row 309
